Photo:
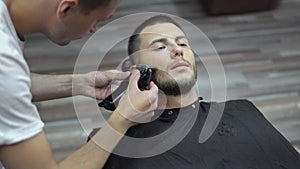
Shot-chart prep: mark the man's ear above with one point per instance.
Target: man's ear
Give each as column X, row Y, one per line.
column 126, row 65
column 65, row 7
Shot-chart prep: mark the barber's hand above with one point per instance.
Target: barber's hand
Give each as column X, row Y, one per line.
column 97, row 84
column 138, row 106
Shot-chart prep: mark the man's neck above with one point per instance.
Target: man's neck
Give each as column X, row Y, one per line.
column 25, row 15
column 169, row 102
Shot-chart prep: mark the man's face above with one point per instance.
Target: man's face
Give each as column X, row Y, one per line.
column 77, row 23
column 165, row 47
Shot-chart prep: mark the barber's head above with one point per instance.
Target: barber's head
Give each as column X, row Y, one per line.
column 160, row 42
column 71, row 19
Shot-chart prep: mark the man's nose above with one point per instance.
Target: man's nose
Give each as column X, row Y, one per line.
column 177, row 51
column 93, row 29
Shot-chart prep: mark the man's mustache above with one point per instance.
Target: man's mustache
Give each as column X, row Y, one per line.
column 179, row 61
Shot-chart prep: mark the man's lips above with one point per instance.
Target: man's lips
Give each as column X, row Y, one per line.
column 179, row 64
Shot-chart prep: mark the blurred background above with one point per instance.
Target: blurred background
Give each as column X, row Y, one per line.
column 258, row 42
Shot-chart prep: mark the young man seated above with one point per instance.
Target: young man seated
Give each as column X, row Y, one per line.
column 244, row 139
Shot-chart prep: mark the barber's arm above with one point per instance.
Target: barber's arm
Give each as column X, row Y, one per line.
column 94, row 84
column 35, row 153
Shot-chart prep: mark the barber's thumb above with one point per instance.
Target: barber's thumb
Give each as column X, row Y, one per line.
column 152, row 86
column 135, row 75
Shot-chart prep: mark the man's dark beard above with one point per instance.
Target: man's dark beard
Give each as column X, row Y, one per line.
column 170, row 86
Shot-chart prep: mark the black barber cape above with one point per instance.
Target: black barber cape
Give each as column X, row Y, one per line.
column 244, row 139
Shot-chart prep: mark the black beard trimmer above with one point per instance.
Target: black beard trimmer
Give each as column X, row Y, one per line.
column 146, row 75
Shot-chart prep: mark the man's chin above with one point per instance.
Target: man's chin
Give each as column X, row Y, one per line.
column 63, row 43
column 181, row 76
column 67, row 41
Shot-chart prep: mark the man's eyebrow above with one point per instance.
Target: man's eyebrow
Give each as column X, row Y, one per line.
column 180, row 37
column 163, row 40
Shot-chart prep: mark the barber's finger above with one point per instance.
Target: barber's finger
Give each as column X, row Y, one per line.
column 135, row 76
column 152, row 86
column 153, row 94
column 119, row 75
column 132, row 68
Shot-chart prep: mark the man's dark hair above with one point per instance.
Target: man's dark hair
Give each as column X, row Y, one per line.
column 134, row 39
column 89, row 5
